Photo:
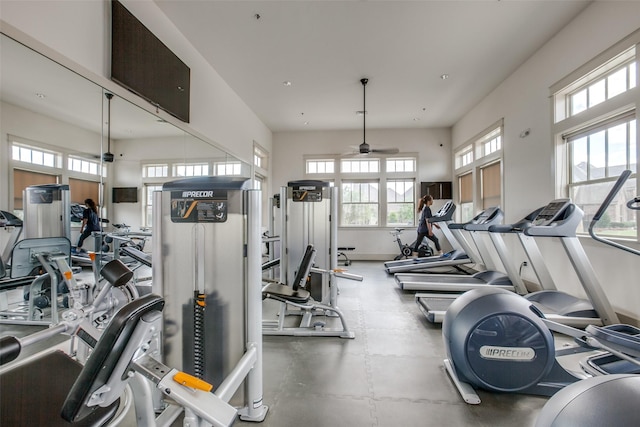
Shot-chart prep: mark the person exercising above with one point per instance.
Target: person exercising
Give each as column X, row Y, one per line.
column 90, row 222
column 425, row 228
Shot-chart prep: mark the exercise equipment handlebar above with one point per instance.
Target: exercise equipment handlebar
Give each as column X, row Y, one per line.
column 605, row 204
column 10, row 346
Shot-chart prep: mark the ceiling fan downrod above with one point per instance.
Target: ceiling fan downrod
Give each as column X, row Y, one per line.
column 364, row 109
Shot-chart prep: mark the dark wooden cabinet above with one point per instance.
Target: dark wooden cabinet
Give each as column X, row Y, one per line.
column 438, row 189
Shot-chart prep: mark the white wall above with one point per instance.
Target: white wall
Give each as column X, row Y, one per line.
column 432, row 146
column 529, row 180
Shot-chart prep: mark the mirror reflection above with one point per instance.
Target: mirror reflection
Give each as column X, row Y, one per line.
column 58, row 125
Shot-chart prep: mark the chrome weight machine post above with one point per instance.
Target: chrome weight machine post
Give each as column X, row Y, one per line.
column 333, row 245
column 256, row 410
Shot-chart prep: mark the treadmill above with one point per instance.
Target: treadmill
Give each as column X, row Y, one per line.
column 559, row 219
column 459, row 284
column 461, row 253
column 12, row 224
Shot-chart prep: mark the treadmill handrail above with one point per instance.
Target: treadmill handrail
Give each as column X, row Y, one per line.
column 603, row 208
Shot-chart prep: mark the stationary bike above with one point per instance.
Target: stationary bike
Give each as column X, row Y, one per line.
column 424, row 250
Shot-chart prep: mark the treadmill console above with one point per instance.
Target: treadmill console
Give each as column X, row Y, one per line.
column 484, row 216
column 444, row 209
column 551, row 212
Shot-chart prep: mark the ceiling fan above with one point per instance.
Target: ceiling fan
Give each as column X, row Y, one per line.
column 365, row 148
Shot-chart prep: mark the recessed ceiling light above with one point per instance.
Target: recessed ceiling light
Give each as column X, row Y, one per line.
column 41, row 95
column 306, row 123
column 444, row 76
column 286, row 83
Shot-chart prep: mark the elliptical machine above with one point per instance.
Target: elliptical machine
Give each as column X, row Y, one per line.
column 599, row 400
column 499, row 341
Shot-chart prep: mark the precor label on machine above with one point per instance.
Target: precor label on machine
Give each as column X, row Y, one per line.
column 507, row 353
column 306, row 193
column 199, row 206
column 41, row 196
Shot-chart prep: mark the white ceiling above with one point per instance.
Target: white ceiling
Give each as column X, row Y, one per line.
column 324, row 48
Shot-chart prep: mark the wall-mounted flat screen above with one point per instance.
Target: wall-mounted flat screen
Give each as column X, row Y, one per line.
column 125, row 195
column 143, row 64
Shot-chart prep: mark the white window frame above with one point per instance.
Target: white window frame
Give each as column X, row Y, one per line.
column 20, row 150
column 79, row 164
column 147, row 202
column 227, row 168
column 320, row 166
column 190, row 169
column 570, row 129
column 160, row 170
column 471, row 159
column 378, row 175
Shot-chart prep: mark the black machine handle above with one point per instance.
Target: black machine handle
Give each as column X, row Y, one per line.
column 633, row 203
column 603, row 207
column 9, row 349
column 10, row 346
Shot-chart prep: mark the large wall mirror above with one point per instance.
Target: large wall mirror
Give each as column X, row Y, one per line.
column 55, row 126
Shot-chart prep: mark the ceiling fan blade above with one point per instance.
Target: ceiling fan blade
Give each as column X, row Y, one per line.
column 385, row 150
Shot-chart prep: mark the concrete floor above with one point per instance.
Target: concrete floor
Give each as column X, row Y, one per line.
column 390, row 375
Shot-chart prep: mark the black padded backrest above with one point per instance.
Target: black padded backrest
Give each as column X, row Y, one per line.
column 105, row 356
column 304, row 268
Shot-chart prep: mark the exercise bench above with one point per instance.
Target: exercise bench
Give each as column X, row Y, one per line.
column 297, row 296
column 342, row 253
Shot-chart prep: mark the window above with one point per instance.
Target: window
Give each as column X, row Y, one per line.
column 479, row 172
column 490, row 186
column 490, row 143
column 78, row 164
column 36, row 156
column 597, row 156
column 148, row 203
column 191, row 169
column 374, row 191
column 400, row 203
column 259, row 157
column 603, row 82
column 23, row 179
column 464, row 157
column 155, row 171
column 596, row 136
column 360, row 166
column 465, row 192
column 324, row 166
column 227, row 168
column 401, row 165
column 80, row 190
column 360, row 203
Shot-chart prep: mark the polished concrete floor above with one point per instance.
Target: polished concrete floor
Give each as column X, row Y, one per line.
column 390, row 375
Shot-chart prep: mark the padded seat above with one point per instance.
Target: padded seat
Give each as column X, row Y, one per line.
column 295, row 293
column 299, row 296
column 33, row 394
